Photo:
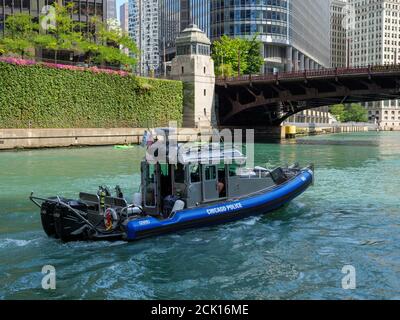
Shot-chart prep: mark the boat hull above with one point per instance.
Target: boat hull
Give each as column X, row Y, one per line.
column 261, row 203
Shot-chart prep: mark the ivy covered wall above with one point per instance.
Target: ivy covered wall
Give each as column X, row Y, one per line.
column 37, row 96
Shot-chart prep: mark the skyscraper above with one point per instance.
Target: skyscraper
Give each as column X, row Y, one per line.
column 111, row 8
column 375, row 40
column 144, row 30
column 167, row 18
column 338, row 34
column 124, row 17
column 295, row 33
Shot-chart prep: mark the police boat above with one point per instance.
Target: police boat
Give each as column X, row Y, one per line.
column 206, row 184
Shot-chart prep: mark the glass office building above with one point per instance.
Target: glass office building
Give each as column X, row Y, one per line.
column 176, row 15
column 295, row 33
column 144, row 29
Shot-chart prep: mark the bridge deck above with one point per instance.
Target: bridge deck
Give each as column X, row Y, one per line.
column 272, row 98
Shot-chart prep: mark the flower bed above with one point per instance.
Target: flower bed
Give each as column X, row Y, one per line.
column 26, row 62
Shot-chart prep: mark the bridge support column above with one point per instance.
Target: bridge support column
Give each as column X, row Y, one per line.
column 312, row 65
column 289, row 59
column 302, row 59
column 269, row 133
column 295, row 60
column 306, row 63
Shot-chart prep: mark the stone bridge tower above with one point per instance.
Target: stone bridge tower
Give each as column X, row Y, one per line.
column 195, row 68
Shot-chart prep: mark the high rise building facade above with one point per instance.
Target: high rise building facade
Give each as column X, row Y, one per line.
column 124, row 17
column 85, row 9
column 295, row 33
column 111, row 9
column 375, row 40
column 144, row 30
column 338, row 34
column 170, row 27
column 167, row 18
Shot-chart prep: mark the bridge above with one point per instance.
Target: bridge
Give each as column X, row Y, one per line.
column 268, row 100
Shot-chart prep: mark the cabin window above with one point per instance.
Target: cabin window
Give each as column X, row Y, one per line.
column 233, row 170
column 179, row 173
column 164, row 169
column 150, row 173
column 194, row 173
column 210, row 173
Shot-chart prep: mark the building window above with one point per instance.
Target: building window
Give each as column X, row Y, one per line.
column 205, row 92
column 183, row 70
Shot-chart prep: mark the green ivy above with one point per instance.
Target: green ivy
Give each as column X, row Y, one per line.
column 43, row 97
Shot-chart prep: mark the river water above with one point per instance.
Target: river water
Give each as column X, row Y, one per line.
column 350, row 217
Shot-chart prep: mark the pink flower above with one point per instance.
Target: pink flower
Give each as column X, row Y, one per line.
column 25, row 62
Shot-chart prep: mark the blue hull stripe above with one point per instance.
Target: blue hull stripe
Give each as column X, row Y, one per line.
column 222, row 212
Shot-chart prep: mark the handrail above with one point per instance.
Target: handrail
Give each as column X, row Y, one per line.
column 371, row 69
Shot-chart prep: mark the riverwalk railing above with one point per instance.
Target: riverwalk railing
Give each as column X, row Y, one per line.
column 305, row 74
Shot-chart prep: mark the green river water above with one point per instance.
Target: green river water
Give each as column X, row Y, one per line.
column 351, row 216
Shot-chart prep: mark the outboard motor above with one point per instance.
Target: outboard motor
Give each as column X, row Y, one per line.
column 47, row 217
column 68, row 226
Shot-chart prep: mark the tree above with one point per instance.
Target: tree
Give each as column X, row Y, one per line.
column 356, row 113
column 105, row 42
column 20, row 32
column 254, row 58
column 102, row 44
column 349, row 113
column 337, row 111
column 243, row 56
column 63, row 35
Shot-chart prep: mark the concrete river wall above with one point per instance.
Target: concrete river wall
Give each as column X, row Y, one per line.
column 47, row 138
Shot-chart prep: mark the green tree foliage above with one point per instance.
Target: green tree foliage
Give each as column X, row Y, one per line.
column 356, row 113
column 234, row 56
column 63, row 35
column 337, row 111
column 54, row 98
column 254, row 58
column 105, row 43
column 102, row 45
column 349, row 113
column 20, row 33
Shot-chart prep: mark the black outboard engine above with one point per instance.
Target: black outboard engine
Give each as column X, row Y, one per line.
column 59, row 221
column 69, row 227
column 47, row 217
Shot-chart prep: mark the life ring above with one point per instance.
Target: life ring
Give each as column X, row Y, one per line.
column 110, row 219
